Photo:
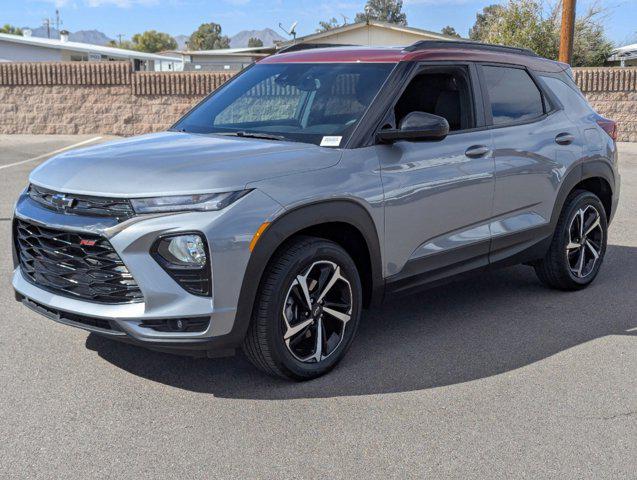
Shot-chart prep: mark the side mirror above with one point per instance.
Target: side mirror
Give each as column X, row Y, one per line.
column 416, row 126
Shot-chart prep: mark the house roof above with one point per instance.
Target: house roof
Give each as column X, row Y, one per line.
column 84, row 47
column 627, row 51
column 316, row 37
column 313, row 38
column 252, row 51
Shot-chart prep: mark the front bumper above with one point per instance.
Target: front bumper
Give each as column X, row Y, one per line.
column 228, row 233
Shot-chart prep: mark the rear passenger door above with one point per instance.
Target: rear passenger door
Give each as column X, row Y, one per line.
column 534, row 144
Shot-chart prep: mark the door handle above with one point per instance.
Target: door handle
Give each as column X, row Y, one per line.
column 476, row 151
column 564, row 138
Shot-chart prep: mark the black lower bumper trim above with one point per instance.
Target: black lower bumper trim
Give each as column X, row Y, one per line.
column 214, row 347
column 72, row 319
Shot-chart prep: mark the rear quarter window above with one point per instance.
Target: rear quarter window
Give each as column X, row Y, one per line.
column 574, row 102
column 513, row 95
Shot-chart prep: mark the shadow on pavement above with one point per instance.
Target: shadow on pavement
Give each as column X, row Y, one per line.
column 455, row 333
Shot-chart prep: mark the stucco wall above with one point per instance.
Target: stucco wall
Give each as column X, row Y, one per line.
column 16, row 52
column 108, row 98
column 373, row 35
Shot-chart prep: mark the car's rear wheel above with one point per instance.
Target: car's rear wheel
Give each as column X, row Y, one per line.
column 578, row 246
column 306, row 312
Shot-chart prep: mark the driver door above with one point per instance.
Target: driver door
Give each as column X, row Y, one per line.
column 438, row 194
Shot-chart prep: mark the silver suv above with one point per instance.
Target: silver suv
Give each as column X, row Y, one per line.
column 313, row 185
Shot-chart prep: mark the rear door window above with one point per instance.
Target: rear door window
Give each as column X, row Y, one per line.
column 513, row 95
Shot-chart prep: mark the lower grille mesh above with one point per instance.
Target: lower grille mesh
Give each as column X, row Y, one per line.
column 73, row 264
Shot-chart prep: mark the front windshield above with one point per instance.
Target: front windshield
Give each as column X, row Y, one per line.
column 301, row 102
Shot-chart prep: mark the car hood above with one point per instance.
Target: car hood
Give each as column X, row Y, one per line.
column 173, row 163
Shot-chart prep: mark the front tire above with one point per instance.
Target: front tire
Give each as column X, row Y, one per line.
column 306, row 312
column 578, row 246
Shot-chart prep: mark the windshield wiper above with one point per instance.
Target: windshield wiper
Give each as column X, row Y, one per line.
column 265, row 136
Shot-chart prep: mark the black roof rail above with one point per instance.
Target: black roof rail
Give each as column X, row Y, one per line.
column 427, row 44
column 307, row 46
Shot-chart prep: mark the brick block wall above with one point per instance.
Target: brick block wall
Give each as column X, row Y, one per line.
column 109, row 98
column 613, row 93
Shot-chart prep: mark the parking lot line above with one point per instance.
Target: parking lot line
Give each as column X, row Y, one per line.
column 55, row 152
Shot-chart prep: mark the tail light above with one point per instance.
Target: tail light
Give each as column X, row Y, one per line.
column 609, row 126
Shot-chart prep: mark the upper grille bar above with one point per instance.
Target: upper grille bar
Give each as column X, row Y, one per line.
column 69, row 203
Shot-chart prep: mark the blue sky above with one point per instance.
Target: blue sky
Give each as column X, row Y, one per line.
column 184, row 16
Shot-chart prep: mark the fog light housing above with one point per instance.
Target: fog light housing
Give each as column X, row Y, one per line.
column 194, row 324
column 185, row 258
column 187, row 250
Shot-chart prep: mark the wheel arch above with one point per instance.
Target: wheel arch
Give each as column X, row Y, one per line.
column 595, row 176
column 322, row 219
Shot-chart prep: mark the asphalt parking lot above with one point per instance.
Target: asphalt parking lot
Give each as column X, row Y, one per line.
column 491, row 377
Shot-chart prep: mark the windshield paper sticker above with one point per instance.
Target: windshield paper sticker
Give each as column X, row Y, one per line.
column 331, row 141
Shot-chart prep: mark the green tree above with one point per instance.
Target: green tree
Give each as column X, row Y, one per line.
column 150, row 41
column 390, row 11
column 325, row 26
column 125, row 44
column 450, row 32
column 255, row 42
column 10, row 29
column 208, row 37
column 525, row 23
column 153, row 41
column 518, row 23
column 484, row 20
column 591, row 47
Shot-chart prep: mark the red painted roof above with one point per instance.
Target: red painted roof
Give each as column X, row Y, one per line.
column 397, row 54
column 339, row 55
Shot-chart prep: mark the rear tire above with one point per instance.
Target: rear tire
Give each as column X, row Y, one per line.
column 306, row 312
column 578, row 246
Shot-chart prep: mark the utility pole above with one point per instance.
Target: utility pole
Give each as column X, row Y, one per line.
column 47, row 23
column 119, row 38
column 58, row 22
column 568, row 30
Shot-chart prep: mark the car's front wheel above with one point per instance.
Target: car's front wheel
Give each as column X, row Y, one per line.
column 307, row 310
column 578, row 246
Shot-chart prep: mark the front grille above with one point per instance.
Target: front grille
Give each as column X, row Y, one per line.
column 119, row 208
column 76, row 265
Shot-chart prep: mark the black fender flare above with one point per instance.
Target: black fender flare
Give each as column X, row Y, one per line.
column 590, row 169
column 290, row 223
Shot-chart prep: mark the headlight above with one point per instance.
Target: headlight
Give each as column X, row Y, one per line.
column 179, row 203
